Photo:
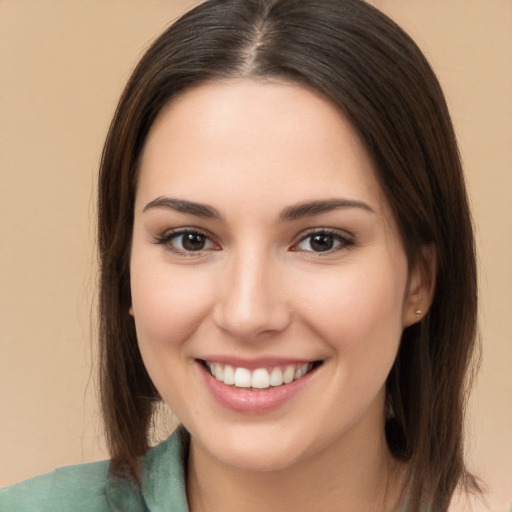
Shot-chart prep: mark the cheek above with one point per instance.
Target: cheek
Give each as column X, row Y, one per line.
column 168, row 303
column 357, row 307
column 169, row 306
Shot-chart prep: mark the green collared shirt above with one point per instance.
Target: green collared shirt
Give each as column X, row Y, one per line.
column 89, row 488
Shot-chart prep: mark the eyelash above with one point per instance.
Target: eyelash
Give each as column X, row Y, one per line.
column 344, row 242
column 166, row 239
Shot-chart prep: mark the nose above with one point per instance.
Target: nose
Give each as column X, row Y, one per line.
column 252, row 302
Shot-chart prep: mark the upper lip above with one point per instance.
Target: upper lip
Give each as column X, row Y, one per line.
column 255, row 363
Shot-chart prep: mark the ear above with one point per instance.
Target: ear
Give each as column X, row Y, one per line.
column 421, row 286
column 130, row 311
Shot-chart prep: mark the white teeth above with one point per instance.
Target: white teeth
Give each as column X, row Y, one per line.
column 218, row 371
column 301, row 371
column 229, row 375
column 289, row 374
column 242, row 378
column 276, row 377
column 261, row 378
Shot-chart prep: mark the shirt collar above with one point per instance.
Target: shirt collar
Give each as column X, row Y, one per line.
column 163, row 480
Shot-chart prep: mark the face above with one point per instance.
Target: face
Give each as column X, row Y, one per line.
column 269, row 285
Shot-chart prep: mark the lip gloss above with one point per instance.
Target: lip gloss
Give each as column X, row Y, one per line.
column 252, row 401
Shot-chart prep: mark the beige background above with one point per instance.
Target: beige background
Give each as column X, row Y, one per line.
column 62, row 67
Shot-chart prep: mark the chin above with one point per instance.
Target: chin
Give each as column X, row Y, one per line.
column 259, row 448
column 257, row 459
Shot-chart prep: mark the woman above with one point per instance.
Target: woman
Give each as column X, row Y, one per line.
column 287, row 261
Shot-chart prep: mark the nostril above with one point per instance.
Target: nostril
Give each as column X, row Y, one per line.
column 246, row 320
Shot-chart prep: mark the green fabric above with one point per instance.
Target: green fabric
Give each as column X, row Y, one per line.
column 88, row 487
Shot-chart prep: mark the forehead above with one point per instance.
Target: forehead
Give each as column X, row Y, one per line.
column 223, row 139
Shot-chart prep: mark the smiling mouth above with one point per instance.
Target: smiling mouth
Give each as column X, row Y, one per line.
column 259, row 378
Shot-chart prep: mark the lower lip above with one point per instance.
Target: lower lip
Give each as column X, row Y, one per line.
column 253, row 401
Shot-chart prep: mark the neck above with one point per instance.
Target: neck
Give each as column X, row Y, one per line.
column 356, row 474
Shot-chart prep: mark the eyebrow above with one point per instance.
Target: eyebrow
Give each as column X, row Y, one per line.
column 180, row 205
column 290, row 213
column 312, row 208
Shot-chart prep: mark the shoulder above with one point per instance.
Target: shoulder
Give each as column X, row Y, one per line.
column 90, row 487
column 73, row 488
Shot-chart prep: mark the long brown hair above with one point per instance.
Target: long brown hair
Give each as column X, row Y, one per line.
column 372, row 70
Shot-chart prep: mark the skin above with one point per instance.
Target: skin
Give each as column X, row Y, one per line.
column 257, row 289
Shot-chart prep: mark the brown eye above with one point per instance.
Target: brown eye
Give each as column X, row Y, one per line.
column 323, row 241
column 187, row 241
column 193, row 241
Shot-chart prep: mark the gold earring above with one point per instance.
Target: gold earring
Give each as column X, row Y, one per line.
column 417, row 312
